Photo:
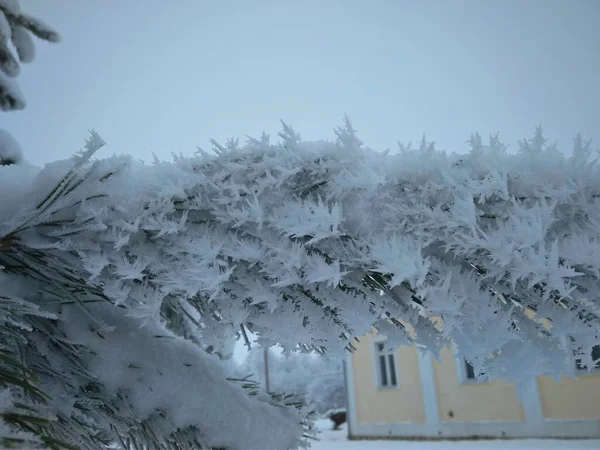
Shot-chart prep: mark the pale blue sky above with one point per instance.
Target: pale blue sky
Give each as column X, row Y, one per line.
column 162, row 76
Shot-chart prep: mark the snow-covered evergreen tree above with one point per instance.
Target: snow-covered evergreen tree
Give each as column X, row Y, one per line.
column 326, row 392
column 303, row 244
column 119, row 278
column 16, row 29
column 50, row 397
column 318, row 380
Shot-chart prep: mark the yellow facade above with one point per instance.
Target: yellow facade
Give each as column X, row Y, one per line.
column 571, row 398
column 381, row 405
column 470, row 402
column 433, row 400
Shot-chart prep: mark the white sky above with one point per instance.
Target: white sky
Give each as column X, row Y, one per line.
column 162, row 76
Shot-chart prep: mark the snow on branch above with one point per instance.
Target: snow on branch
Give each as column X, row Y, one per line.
column 15, row 29
column 313, row 243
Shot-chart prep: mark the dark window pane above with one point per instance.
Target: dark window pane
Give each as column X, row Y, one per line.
column 392, row 370
column 470, row 371
column 380, row 347
column 596, row 355
column 382, row 371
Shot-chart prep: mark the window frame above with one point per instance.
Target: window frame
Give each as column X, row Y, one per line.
column 377, row 367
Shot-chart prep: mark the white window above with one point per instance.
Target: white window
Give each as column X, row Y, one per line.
column 595, row 356
column 385, row 366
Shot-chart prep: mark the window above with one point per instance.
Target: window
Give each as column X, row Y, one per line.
column 385, row 365
column 470, row 371
column 595, row 357
column 466, row 372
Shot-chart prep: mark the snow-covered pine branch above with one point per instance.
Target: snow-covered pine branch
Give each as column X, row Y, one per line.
column 26, row 419
column 305, row 244
column 106, row 373
column 16, row 28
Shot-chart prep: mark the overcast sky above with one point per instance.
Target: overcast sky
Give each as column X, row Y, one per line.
column 161, row 76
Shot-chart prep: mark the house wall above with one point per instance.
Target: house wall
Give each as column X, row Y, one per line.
column 431, row 401
column 571, row 398
column 403, row 403
column 472, row 402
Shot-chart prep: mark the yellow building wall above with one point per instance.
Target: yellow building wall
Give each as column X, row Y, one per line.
column 571, row 398
column 387, row 405
column 473, row 402
column 460, row 402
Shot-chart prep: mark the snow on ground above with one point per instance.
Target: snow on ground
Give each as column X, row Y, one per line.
column 336, row 440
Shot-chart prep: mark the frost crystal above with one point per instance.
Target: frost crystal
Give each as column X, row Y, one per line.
column 306, row 245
